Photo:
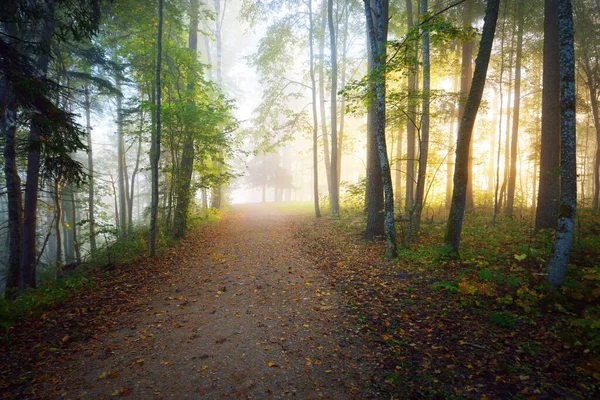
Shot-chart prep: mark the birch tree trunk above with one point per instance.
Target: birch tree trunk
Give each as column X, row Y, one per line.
column 557, row 265
column 376, row 12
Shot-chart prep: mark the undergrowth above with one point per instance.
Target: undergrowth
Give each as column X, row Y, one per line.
column 124, row 250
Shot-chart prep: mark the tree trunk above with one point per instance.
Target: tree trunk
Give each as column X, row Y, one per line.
column 58, row 210
column 315, row 127
column 75, row 218
column 133, row 182
column 67, row 223
column 549, row 186
column 88, row 129
column 466, row 74
column 557, row 265
column 415, row 217
column 512, row 178
column 155, row 149
column 186, row 167
column 325, row 135
column 8, row 125
column 411, row 112
column 8, row 128
column 377, row 30
column 121, row 160
column 451, row 143
column 465, row 130
column 335, row 190
column 374, row 189
column 28, row 263
column 217, row 192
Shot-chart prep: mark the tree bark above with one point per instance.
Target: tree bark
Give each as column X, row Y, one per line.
column 557, row 265
column 324, row 133
column 377, row 30
column 549, row 188
column 88, row 129
column 411, row 112
column 465, row 86
column 335, row 191
column 155, row 150
column 186, row 167
column 121, row 160
column 374, row 189
column 512, row 177
column 8, row 125
column 315, row 126
column 8, row 128
column 465, row 130
column 415, row 217
column 28, row 263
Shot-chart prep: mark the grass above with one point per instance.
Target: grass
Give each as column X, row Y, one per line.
column 52, row 291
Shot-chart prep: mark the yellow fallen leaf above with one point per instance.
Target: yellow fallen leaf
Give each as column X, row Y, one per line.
column 204, row 367
column 139, row 361
column 271, row 364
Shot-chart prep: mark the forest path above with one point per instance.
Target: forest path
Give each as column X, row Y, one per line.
column 246, row 316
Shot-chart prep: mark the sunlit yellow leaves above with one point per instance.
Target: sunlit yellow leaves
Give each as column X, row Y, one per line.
column 121, row 392
column 108, row 375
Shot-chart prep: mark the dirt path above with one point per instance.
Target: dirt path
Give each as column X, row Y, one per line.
column 247, row 317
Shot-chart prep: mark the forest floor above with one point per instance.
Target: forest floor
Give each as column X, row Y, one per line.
column 268, row 303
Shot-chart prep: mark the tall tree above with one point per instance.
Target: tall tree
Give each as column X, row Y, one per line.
column 466, row 74
column 155, row 149
column 376, row 12
column 121, row 168
column 28, row 264
column 334, row 181
column 465, row 130
column 183, row 190
column 546, row 213
column 411, row 113
column 8, row 127
column 512, row 178
column 324, row 133
column 374, row 189
column 415, row 217
column 315, row 127
column 557, row 265
column 91, row 182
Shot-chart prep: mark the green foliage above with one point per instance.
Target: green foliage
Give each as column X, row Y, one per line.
column 449, row 286
column 504, row 320
column 354, row 193
column 35, row 301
